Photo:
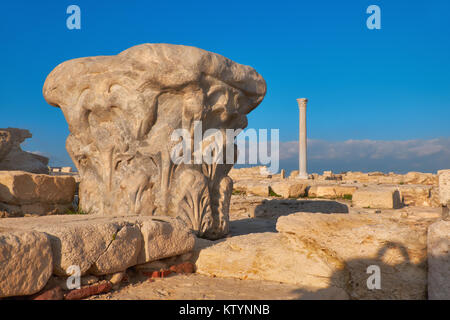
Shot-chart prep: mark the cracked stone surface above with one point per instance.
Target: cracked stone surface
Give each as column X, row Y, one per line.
column 439, row 261
column 325, row 251
column 106, row 244
column 125, row 247
column 253, row 245
column 25, row 262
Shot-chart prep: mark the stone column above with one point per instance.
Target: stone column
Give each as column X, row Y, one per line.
column 444, row 192
column 302, row 173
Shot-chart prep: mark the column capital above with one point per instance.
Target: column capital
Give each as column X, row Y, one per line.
column 302, row 102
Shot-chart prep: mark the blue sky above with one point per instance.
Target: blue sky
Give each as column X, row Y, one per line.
column 370, row 85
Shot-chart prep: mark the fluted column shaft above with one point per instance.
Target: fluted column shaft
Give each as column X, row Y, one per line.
column 302, row 156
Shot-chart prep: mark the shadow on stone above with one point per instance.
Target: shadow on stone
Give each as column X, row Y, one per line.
column 405, row 280
column 277, row 207
column 264, row 215
column 251, row 225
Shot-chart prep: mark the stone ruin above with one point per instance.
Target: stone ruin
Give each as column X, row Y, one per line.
column 28, row 194
column 12, row 157
column 26, row 189
column 316, row 236
column 121, row 112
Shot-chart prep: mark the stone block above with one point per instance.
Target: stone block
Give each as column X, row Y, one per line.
column 38, row 194
column 444, row 186
column 358, row 241
column 416, row 195
column 12, row 157
column 25, row 262
column 293, row 174
column 252, row 187
column 330, row 191
column 439, row 261
column 272, row 257
column 164, row 237
column 379, row 198
column 289, row 188
column 107, row 244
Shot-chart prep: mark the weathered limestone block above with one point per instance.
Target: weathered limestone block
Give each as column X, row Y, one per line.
column 20, row 187
column 382, row 198
column 289, row 189
column 101, row 244
column 164, row 238
column 418, row 178
column 439, row 261
column 25, row 262
column 416, row 195
column 39, row 194
column 12, row 157
column 328, row 175
column 391, row 178
column 60, row 170
column 82, row 244
column 293, row 174
column 444, row 186
column 330, row 191
column 355, row 177
column 277, row 207
column 358, row 241
column 434, row 197
column 273, row 257
column 254, row 173
column 122, row 111
column 121, row 253
column 257, row 188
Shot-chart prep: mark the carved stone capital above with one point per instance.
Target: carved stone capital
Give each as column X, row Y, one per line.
column 302, row 102
column 122, row 111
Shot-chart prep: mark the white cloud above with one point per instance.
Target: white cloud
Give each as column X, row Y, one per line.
column 371, row 155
